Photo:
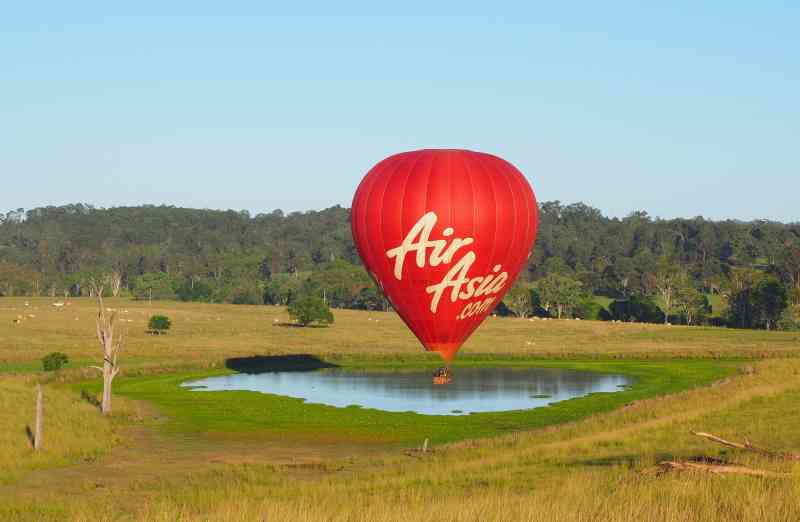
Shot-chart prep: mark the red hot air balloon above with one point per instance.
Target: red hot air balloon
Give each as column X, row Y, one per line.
column 444, row 233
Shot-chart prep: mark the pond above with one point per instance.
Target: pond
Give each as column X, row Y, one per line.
column 474, row 390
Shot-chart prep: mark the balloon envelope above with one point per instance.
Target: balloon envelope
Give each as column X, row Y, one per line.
column 444, row 233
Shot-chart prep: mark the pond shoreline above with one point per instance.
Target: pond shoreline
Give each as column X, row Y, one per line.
column 241, row 413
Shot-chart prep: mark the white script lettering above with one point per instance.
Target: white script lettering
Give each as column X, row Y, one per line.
column 463, row 287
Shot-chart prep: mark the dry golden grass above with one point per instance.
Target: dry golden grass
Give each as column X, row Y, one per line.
column 204, row 335
column 73, row 429
column 594, row 469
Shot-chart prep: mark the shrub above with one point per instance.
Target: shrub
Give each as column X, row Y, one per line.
column 310, row 309
column 54, row 361
column 159, row 323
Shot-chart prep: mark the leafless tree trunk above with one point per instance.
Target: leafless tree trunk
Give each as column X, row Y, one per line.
column 115, row 280
column 106, row 323
column 37, row 430
column 666, row 282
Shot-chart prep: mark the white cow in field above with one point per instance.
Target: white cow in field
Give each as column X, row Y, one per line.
column 58, row 305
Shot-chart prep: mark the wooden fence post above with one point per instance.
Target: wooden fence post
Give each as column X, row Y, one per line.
column 37, row 435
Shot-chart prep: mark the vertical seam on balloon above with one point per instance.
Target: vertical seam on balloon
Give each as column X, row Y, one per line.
column 494, row 200
column 530, row 236
column 365, row 202
column 516, row 213
column 403, row 194
column 468, row 166
column 380, row 227
column 427, row 194
column 512, row 173
column 513, row 199
column 533, row 216
column 364, row 229
column 455, row 325
column 419, row 157
column 451, row 221
column 475, row 321
column 358, row 227
column 371, row 248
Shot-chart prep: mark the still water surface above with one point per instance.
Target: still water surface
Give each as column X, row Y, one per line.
column 474, row 390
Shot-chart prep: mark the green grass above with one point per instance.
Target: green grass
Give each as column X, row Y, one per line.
column 242, row 411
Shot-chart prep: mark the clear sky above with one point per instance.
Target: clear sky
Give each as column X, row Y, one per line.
column 680, row 109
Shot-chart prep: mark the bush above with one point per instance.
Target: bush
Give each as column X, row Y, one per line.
column 54, row 361
column 310, row 309
column 159, row 323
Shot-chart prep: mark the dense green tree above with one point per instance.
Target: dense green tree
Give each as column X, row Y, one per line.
column 283, row 289
column 636, row 309
column 691, row 303
column 193, row 290
column 559, row 293
column 790, row 319
column 520, row 300
column 310, row 309
column 588, row 309
column 233, row 255
column 665, row 282
column 789, row 269
column 157, row 285
column 369, row 298
column 769, row 302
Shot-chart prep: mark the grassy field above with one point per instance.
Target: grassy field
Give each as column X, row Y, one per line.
column 170, row 454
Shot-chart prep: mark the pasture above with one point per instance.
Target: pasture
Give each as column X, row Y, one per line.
column 169, row 454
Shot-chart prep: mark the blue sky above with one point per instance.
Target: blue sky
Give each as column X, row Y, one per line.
column 680, row 109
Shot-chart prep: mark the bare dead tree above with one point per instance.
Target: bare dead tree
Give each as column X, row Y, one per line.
column 665, row 282
column 748, row 446
column 106, row 323
column 115, row 280
column 718, row 469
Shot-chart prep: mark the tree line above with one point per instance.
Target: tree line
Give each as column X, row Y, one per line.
column 586, row 265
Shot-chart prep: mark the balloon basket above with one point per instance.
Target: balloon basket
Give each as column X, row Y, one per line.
column 442, row 376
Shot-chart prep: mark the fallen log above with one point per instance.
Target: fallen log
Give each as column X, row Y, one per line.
column 747, row 446
column 719, row 469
